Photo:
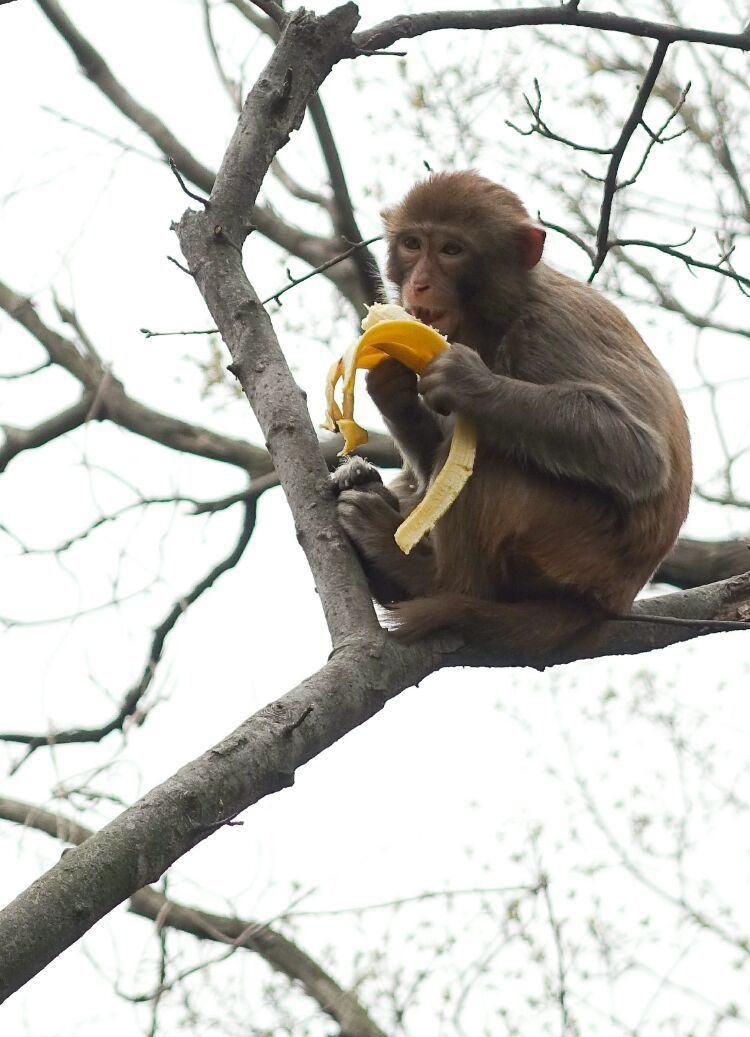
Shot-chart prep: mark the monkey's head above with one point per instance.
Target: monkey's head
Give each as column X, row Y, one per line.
column 460, row 249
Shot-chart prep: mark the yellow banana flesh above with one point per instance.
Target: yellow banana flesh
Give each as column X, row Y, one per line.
column 392, row 332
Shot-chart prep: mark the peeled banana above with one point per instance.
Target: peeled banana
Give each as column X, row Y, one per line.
column 389, row 331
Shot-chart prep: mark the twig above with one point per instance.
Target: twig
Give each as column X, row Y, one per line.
column 179, row 265
column 13, row 375
column 541, row 127
column 148, row 333
column 569, row 234
column 290, row 728
column 657, row 138
column 689, row 261
column 232, row 87
column 629, row 128
column 320, row 269
column 561, row 974
column 197, row 197
column 135, row 694
column 293, row 282
column 106, row 137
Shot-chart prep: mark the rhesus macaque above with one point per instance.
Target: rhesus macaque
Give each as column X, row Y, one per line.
column 583, row 468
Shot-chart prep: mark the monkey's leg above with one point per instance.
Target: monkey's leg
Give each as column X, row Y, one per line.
column 522, row 632
column 369, row 514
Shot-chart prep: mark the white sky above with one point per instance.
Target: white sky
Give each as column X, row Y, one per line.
column 386, row 813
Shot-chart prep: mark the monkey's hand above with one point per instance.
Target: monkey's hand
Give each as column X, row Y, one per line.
column 393, row 388
column 454, row 380
column 369, row 520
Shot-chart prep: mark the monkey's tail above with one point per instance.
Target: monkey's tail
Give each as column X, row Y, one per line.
column 522, row 631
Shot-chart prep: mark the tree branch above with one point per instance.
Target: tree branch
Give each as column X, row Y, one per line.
column 98, row 71
column 132, row 700
column 20, row 439
column 628, row 129
column 694, row 563
column 409, row 26
column 281, row 953
column 261, row 756
column 310, row 248
column 366, row 667
column 307, row 50
column 258, row 758
column 369, row 275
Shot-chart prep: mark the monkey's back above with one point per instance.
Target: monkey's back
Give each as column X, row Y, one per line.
column 525, row 533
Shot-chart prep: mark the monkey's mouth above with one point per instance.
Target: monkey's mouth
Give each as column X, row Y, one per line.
column 431, row 317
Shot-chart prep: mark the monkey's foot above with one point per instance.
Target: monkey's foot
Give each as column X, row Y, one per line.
column 355, row 474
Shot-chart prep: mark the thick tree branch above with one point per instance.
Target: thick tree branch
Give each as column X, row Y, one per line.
column 366, row 667
column 694, row 563
column 261, row 757
column 20, row 439
column 281, row 953
column 113, row 403
column 258, row 758
column 307, row 50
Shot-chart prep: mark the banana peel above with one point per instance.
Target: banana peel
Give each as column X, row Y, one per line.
column 389, row 331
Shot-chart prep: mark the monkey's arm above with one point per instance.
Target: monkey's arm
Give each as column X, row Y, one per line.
column 369, row 514
column 578, row 430
column 416, row 430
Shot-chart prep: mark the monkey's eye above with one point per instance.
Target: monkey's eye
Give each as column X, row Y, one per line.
column 411, row 243
column 452, row 248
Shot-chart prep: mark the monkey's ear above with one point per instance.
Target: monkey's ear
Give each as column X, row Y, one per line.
column 530, row 245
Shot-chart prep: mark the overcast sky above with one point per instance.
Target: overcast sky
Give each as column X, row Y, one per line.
column 463, row 761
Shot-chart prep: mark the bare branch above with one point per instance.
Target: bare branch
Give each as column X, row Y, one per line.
column 135, row 695
column 311, row 248
column 232, row 87
column 688, row 260
column 543, row 129
column 298, row 191
column 294, row 281
column 628, row 129
column 183, row 185
column 96, row 69
column 260, row 758
column 346, row 221
column 277, row 950
column 694, row 563
column 260, row 21
column 409, row 26
column 15, row 375
column 272, row 10
column 115, row 405
column 18, row 439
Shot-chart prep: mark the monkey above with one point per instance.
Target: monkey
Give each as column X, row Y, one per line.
column 583, row 468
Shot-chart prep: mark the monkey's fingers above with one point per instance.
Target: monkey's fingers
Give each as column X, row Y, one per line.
column 392, row 332
column 407, row 340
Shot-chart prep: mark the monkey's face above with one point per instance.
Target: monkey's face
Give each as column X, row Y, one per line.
column 430, row 264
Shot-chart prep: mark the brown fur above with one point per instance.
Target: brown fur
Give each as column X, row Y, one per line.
column 583, row 470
